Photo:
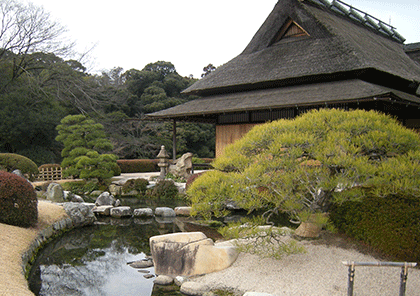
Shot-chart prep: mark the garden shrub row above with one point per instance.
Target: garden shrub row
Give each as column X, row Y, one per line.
column 390, row 224
column 138, row 165
column 10, row 162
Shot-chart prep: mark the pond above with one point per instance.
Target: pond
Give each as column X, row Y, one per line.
column 93, row 260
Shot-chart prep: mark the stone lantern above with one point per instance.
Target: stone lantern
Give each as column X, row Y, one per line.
column 163, row 162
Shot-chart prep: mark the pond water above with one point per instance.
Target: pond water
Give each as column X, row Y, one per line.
column 93, row 260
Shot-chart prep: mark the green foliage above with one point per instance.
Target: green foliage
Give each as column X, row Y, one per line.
column 83, row 141
column 82, row 187
column 209, row 194
column 140, row 185
column 18, row 201
column 390, row 224
column 303, row 166
column 265, row 241
column 10, row 162
column 138, row 165
column 164, row 189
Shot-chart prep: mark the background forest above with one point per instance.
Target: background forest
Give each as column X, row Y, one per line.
column 39, row 86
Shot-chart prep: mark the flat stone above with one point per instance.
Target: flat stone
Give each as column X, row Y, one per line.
column 143, row 212
column 148, row 276
column 163, row 280
column 182, row 211
column 102, row 210
column 193, row 288
column 120, row 212
column 141, row 264
column 164, row 212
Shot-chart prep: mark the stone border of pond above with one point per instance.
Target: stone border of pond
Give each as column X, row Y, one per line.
column 78, row 215
column 16, row 243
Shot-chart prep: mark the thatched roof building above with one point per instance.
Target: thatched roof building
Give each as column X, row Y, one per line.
column 307, row 54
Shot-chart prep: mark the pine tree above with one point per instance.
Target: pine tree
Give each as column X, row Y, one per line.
column 84, row 145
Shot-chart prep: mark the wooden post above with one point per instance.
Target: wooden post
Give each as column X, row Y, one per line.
column 404, row 272
column 174, row 140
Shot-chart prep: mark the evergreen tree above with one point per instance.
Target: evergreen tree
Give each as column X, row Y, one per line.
column 84, row 144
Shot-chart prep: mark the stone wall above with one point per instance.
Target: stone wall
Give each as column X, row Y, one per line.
column 79, row 215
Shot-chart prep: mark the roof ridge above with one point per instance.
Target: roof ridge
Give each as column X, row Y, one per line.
column 357, row 15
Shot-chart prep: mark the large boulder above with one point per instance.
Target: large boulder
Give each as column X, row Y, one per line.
column 105, row 199
column 189, row 254
column 182, row 166
column 55, row 193
column 81, row 214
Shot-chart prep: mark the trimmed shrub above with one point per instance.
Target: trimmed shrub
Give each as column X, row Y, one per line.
column 18, row 202
column 138, row 165
column 164, row 189
column 304, row 165
column 139, row 185
column 389, row 224
column 10, row 162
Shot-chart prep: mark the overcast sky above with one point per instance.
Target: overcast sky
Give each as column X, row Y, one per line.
column 188, row 33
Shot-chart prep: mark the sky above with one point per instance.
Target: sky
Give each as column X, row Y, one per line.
column 188, row 33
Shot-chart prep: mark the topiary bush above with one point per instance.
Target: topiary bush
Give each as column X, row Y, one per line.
column 319, row 161
column 303, row 166
column 10, row 162
column 18, row 201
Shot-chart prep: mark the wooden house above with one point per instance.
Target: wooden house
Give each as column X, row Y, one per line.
column 307, row 54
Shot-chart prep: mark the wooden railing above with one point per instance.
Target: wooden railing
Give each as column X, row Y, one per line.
column 404, row 272
column 50, row 174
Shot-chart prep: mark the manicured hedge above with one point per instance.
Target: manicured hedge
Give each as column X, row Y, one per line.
column 18, row 201
column 138, row 165
column 10, row 162
column 390, row 224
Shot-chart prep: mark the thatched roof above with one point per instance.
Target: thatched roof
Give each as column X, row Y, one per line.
column 413, row 51
column 343, row 91
column 330, row 47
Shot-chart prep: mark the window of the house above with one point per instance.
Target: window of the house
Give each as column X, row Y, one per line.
column 289, row 29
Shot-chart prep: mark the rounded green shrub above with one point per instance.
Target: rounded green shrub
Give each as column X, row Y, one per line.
column 321, row 160
column 18, row 201
column 10, row 162
column 139, row 185
column 164, row 189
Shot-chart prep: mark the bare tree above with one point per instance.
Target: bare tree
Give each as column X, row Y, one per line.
column 26, row 29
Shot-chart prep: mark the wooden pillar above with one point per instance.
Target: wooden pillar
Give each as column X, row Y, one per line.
column 174, row 140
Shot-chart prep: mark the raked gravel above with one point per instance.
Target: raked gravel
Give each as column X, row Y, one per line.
column 319, row 271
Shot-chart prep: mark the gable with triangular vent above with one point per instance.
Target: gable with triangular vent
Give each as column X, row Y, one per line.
column 289, row 29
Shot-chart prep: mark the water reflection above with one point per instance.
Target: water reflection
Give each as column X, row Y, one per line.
column 93, row 260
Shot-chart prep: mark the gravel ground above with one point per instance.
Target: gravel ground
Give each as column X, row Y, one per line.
column 319, row 271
